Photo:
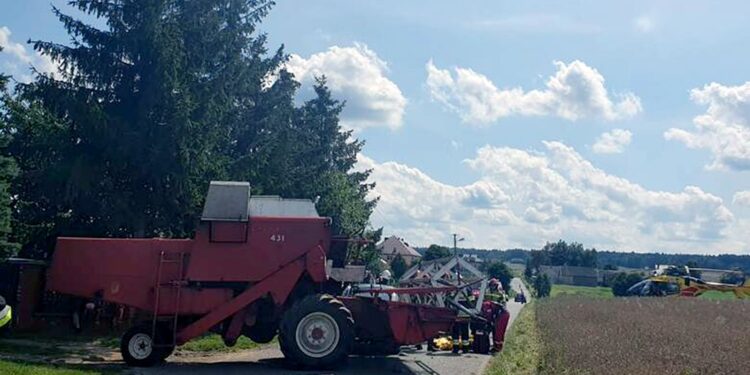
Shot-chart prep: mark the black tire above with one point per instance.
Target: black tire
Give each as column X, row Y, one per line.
column 320, row 315
column 481, row 342
column 262, row 333
column 140, row 349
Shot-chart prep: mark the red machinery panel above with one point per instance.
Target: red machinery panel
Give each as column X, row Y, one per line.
column 125, row 271
column 233, row 231
column 404, row 323
column 271, row 243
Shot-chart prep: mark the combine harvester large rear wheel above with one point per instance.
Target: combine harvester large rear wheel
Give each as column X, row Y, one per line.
column 317, row 332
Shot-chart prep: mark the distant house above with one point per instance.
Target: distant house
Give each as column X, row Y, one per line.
column 570, row 275
column 392, row 246
column 472, row 258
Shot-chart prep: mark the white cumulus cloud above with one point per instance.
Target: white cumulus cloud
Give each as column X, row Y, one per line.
column 575, row 91
column 17, row 60
column 355, row 74
column 524, row 198
column 613, row 142
column 741, row 198
column 724, row 129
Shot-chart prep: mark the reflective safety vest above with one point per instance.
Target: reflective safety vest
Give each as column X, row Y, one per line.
column 6, row 314
column 494, row 297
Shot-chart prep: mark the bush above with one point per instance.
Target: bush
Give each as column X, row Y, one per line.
column 436, row 252
column 623, row 281
column 398, row 266
column 542, row 286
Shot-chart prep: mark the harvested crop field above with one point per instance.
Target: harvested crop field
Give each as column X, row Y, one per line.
column 643, row 336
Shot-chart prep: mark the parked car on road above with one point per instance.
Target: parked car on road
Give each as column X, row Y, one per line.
column 520, row 297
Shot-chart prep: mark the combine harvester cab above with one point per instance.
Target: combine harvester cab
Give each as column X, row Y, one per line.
column 256, row 267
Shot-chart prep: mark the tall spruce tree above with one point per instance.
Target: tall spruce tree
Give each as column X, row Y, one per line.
column 326, row 163
column 147, row 110
column 125, row 141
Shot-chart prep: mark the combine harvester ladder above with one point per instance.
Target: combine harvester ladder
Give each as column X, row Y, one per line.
column 176, row 284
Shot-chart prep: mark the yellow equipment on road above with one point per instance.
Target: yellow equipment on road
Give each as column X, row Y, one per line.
column 6, row 313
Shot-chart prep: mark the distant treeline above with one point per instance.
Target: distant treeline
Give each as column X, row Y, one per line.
column 648, row 260
column 628, row 260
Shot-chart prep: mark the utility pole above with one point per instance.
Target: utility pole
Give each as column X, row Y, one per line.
column 455, row 254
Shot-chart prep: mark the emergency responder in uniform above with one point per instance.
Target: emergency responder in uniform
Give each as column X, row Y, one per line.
column 5, row 314
column 493, row 309
column 460, row 332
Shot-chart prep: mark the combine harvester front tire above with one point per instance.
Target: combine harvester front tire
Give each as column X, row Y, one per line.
column 317, row 332
column 140, row 349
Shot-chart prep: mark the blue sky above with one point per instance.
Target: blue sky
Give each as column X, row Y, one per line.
column 517, row 123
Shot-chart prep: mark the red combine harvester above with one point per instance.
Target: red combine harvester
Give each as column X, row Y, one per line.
column 257, row 267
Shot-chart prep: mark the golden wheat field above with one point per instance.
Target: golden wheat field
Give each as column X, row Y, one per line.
column 644, row 336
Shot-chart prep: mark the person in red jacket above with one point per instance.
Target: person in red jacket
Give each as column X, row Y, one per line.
column 495, row 312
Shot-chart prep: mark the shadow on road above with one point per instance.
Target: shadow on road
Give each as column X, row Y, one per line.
column 356, row 366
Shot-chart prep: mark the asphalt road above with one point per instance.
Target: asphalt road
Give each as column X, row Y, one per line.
column 269, row 360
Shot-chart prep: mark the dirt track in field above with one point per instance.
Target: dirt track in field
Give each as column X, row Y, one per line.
column 269, row 360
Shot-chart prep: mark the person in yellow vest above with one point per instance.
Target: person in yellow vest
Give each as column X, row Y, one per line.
column 495, row 292
column 460, row 331
column 6, row 314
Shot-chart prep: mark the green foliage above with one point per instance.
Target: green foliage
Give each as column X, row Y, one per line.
column 623, row 281
column 542, row 286
column 648, row 260
column 500, row 271
column 436, row 252
column 25, row 368
column 528, row 271
column 214, row 343
column 522, row 350
column 8, row 171
column 561, row 253
column 398, row 266
column 149, row 109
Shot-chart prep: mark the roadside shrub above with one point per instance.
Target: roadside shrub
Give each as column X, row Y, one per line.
column 542, row 286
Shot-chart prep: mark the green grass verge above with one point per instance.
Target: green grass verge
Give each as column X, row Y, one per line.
column 214, row 343
column 715, row 295
column 24, row 368
column 584, row 291
column 109, row 340
column 522, row 350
